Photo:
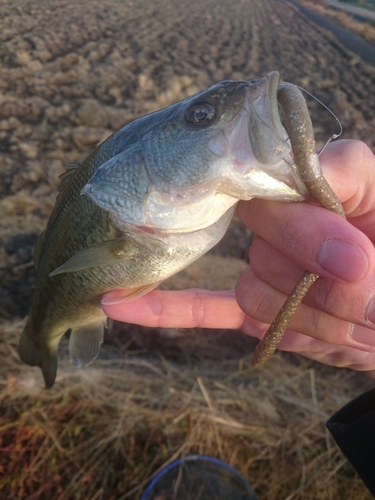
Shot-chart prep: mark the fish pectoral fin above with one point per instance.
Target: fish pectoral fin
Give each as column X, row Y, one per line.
column 107, row 252
column 85, row 343
column 128, row 294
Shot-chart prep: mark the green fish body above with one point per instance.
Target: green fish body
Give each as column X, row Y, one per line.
column 150, row 200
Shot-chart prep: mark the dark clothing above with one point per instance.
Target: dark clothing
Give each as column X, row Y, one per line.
column 353, row 428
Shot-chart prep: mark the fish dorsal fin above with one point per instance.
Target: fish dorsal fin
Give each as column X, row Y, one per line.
column 65, row 177
column 106, row 252
column 37, row 249
column 85, row 343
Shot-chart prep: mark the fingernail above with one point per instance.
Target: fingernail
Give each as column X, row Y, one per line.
column 370, row 312
column 116, row 297
column 363, row 335
column 344, row 260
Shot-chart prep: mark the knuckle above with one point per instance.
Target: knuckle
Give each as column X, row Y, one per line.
column 197, row 309
column 324, row 297
column 160, row 312
column 357, row 151
column 363, row 152
column 249, row 295
column 293, row 233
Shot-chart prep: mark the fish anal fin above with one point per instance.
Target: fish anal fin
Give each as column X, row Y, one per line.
column 32, row 354
column 128, row 294
column 85, row 343
column 106, row 252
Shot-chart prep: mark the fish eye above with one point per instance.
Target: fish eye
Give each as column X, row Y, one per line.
column 200, row 113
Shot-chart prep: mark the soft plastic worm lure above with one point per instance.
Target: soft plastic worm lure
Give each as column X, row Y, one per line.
column 299, row 127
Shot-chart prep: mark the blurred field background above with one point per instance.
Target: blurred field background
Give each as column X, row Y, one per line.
column 71, row 74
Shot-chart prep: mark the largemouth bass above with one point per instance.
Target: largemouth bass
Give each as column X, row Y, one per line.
column 150, row 200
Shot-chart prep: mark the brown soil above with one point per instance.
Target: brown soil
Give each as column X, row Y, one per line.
column 72, row 73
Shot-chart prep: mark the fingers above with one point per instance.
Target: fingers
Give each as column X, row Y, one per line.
column 330, row 354
column 335, row 324
column 199, row 308
column 349, row 167
column 334, row 298
column 262, row 302
column 180, row 309
column 316, row 239
column 333, row 311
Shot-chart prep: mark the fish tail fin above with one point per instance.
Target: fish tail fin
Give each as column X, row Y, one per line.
column 34, row 355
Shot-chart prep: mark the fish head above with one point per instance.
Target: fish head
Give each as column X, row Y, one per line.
column 181, row 168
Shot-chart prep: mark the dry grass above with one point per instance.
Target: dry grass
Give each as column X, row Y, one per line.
column 362, row 28
column 104, row 431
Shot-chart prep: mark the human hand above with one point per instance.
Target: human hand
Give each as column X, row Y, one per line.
column 336, row 322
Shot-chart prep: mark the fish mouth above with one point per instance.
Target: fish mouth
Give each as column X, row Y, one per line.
column 268, row 138
column 260, row 148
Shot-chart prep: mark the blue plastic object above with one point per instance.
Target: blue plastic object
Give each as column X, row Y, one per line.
column 198, row 477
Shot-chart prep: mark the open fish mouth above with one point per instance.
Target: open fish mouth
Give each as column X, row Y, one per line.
column 260, row 148
column 267, row 135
